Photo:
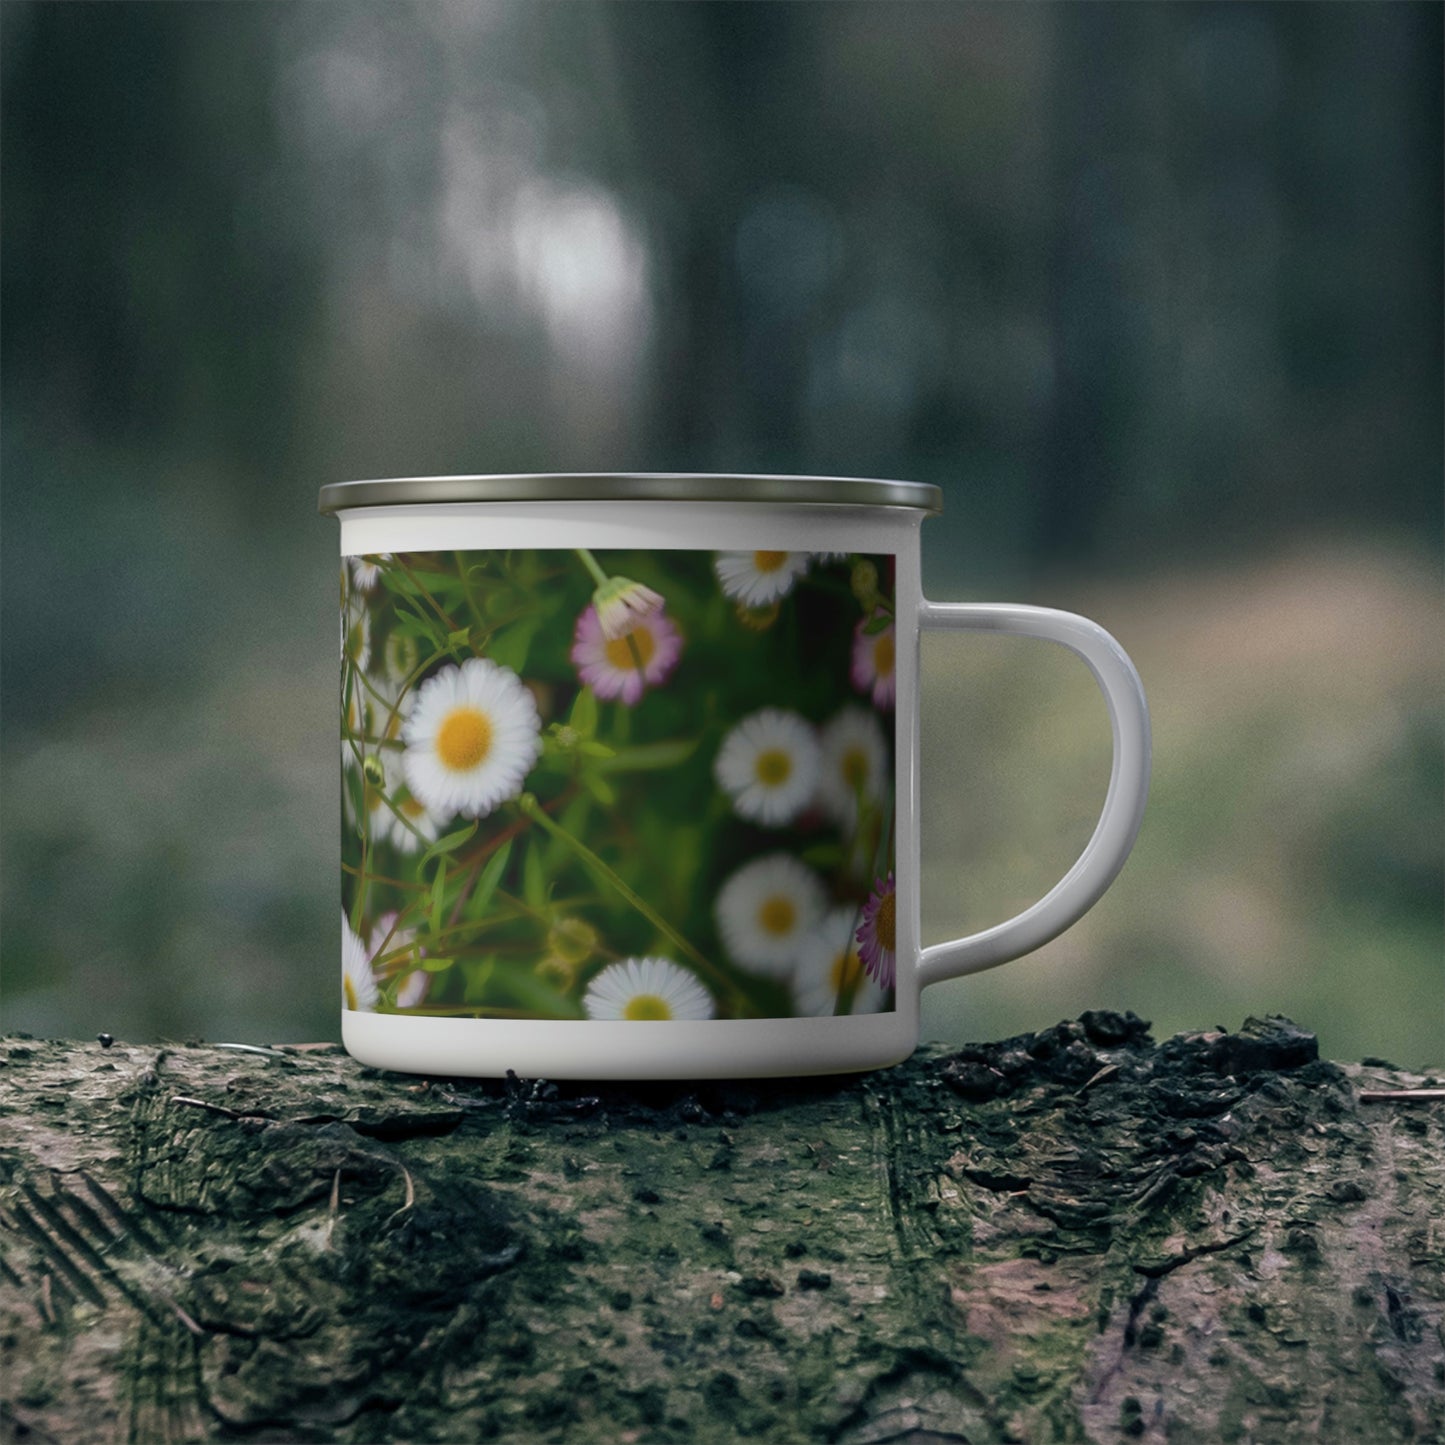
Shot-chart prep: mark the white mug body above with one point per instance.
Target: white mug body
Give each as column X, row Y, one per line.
column 706, row 522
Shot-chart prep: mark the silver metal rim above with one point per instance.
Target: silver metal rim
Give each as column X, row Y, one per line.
column 631, row 487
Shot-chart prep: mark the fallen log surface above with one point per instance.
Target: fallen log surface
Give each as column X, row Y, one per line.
column 1072, row 1235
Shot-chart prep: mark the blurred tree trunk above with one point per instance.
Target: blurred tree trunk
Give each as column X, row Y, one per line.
column 1075, row 1235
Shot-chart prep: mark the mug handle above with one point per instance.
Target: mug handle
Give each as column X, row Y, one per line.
column 1099, row 864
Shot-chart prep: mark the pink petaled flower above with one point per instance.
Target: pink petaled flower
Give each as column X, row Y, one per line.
column 609, row 665
column 878, row 934
column 873, row 664
column 386, row 938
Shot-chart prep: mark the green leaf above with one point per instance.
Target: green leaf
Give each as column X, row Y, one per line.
column 510, row 645
column 534, row 881
column 591, row 748
column 408, row 626
column 462, row 637
column 530, row 992
column 478, row 976
column 491, row 876
column 649, row 757
column 416, row 617
column 573, row 820
column 436, row 965
column 879, row 622
column 584, row 713
column 600, row 788
column 398, row 583
column 621, row 726
column 449, row 843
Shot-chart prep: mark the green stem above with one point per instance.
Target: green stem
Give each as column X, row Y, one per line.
column 533, row 810
column 367, row 742
column 421, row 587
column 590, row 563
column 467, row 590
column 358, row 907
column 359, row 903
column 405, row 821
column 390, row 956
column 393, row 705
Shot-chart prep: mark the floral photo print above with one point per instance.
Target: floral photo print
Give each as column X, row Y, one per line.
column 618, row 785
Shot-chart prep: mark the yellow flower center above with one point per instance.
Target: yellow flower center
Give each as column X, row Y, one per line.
column 646, row 1006
column 349, row 989
column 464, row 739
column 773, row 767
column 621, row 655
column 371, row 797
column 412, row 808
column 769, row 561
column 847, row 971
column 883, row 653
column 854, row 767
column 885, row 922
column 777, row 916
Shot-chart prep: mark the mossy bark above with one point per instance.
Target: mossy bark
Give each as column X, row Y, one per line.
column 1074, row 1235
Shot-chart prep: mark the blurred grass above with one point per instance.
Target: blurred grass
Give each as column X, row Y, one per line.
column 171, row 858
column 1290, row 858
column 1131, row 282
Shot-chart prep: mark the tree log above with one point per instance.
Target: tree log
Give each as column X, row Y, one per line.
column 1071, row 1235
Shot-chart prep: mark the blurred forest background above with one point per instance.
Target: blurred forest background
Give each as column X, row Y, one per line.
column 1152, row 291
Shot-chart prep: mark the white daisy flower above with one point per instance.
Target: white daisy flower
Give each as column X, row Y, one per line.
column 769, row 765
column 875, row 663
column 402, row 652
column 387, row 938
column 830, row 965
column 376, row 819
column 758, row 578
column 471, row 739
column 854, row 764
column 358, row 984
column 392, row 719
column 366, row 571
column 767, row 910
column 364, row 721
column 404, row 839
column 646, row 988
column 355, row 725
column 413, row 988
column 356, row 636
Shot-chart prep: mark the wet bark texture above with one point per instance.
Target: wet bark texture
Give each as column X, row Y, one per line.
column 1074, row 1235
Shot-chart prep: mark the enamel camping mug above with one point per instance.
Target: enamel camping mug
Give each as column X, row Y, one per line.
column 626, row 749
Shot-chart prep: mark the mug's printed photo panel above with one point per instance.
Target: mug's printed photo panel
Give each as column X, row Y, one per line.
column 618, row 785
